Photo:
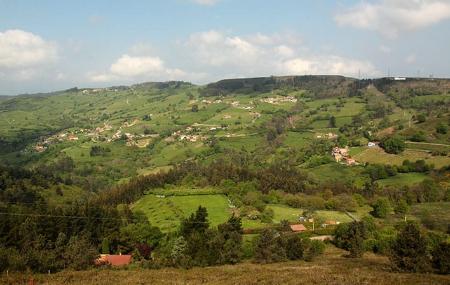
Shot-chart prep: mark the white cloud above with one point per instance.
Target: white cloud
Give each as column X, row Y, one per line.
column 284, row 51
column 205, row 2
column 390, row 17
column 328, row 64
column 21, row 49
column 410, row 59
column 127, row 68
column 385, row 49
column 261, row 55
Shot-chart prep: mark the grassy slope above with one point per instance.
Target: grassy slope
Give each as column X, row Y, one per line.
column 377, row 155
column 167, row 212
column 331, row 268
column 402, row 179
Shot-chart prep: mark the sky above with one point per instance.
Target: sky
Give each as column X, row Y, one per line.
column 49, row 45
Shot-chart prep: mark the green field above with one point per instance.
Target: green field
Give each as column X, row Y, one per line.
column 167, row 212
column 377, row 155
column 435, row 216
column 403, row 179
column 282, row 212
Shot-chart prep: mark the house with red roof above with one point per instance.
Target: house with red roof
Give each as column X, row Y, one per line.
column 114, row 259
column 298, row 228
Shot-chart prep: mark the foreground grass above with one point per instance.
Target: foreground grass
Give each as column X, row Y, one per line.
column 331, row 268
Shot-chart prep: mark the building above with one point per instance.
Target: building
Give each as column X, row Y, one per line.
column 330, row 223
column 349, row 161
column 114, row 259
column 298, row 228
column 371, row 144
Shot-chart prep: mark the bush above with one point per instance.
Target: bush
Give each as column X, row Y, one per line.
column 441, row 129
column 381, row 208
column 441, row 258
column 351, row 237
column 295, row 247
column 314, row 249
column 418, row 137
column 269, row 247
column 393, row 145
column 409, row 250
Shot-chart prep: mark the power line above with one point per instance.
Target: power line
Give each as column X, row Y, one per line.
column 75, row 217
column 61, row 216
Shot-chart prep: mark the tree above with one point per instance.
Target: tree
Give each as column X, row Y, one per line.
column 141, row 236
column 197, row 222
column 393, row 145
column 194, row 108
column 332, row 122
column 314, row 248
column 79, row 253
column 106, row 246
column 409, row 250
column 295, row 247
column 441, row 129
column 351, row 237
column 380, row 208
column 421, row 118
column 402, row 207
column 441, row 258
column 268, row 247
column 230, row 238
column 178, row 253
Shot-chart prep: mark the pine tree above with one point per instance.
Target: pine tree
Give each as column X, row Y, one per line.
column 409, row 250
column 441, row 258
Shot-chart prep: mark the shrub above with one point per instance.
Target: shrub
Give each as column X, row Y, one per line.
column 268, row 247
column 393, row 145
column 409, row 250
column 351, row 237
column 441, row 258
column 380, row 208
column 314, row 249
column 441, row 129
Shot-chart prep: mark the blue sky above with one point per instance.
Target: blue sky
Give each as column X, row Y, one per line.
column 51, row 45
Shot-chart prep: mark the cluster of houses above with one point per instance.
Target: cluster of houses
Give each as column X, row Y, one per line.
column 97, row 90
column 342, row 155
column 65, row 136
column 204, row 101
column 278, row 100
column 329, row 136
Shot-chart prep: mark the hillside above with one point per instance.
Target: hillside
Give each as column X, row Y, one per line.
column 330, row 269
column 147, row 126
column 237, row 171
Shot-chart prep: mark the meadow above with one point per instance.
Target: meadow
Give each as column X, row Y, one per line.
column 167, row 211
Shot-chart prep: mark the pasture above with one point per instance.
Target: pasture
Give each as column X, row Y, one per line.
column 167, row 212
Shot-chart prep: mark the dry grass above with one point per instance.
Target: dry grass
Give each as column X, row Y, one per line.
column 331, row 268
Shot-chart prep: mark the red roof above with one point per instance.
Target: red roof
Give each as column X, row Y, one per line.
column 298, row 228
column 115, row 260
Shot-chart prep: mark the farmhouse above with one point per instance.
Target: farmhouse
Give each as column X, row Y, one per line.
column 40, row 148
column 372, row 144
column 330, row 223
column 339, row 153
column 298, row 228
column 113, row 259
column 72, row 137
